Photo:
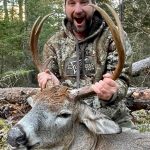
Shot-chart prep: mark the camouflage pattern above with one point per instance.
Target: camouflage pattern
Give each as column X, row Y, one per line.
column 97, row 56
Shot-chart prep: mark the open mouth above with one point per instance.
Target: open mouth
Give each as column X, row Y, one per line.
column 79, row 20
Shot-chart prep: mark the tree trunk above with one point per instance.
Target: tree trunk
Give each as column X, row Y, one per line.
column 138, row 98
column 12, row 10
column 6, row 17
column 20, row 2
column 2, row 61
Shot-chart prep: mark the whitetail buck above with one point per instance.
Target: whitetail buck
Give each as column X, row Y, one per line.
column 58, row 120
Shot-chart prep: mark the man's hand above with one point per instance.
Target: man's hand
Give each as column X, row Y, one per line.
column 105, row 88
column 43, row 77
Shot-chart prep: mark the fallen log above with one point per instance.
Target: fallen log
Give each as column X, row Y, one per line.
column 16, row 94
column 20, row 94
column 139, row 66
column 13, row 100
column 138, row 98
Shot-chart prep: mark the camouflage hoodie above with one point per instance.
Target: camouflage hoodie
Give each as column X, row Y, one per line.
column 97, row 55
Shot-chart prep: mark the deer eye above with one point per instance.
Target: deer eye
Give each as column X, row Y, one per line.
column 65, row 115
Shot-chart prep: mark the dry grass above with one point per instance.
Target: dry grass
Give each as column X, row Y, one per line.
column 142, row 120
column 4, row 127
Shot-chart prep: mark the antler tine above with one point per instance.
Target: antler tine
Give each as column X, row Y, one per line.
column 119, row 25
column 33, row 45
column 36, row 37
column 34, row 41
column 116, row 37
column 35, row 32
column 40, row 25
column 121, row 35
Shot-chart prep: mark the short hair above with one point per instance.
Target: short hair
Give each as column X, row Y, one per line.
column 93, row 1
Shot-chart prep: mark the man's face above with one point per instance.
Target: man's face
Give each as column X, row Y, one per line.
column 79, row 14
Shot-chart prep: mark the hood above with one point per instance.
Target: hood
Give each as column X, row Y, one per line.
column 98, row 24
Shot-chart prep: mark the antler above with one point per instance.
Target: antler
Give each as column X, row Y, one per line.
column 117, row 35
column 36, row 29
column 34, row 41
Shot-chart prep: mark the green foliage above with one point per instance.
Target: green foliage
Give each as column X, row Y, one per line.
column 14, row 40
column 142, row 120
column 22, row 78
column 137, row 23
column 103, row 1
column 4, row 127
column 10, row 45
column 41, row 9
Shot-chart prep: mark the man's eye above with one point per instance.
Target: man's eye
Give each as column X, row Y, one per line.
column 71, row 3
column 84, row 2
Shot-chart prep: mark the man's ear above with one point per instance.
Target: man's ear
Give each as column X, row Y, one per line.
column 31, row 101
column 97, row 122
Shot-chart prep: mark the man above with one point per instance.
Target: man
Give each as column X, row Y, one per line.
column 83, row 53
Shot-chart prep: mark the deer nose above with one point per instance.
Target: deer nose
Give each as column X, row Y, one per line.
column 16, row 136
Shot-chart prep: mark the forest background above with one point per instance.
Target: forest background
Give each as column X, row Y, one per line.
column 18, row 16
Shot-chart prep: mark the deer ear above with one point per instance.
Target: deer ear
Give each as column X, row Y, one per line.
column 31, row 101
column 97, row 122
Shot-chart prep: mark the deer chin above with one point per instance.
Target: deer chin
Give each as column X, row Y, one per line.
column 34, row 146
column 25, row 147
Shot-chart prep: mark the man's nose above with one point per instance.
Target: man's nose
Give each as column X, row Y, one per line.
column 78, row 8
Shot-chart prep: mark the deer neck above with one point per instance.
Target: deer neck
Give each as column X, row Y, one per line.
column 83, row 139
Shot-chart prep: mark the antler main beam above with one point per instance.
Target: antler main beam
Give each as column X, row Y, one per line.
column 117, row 34
column 35, row 32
